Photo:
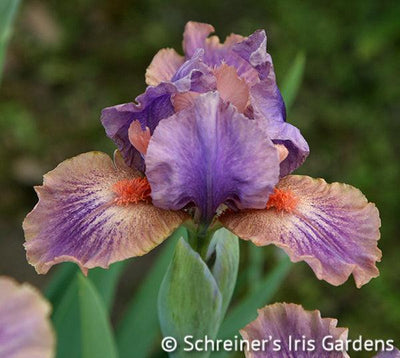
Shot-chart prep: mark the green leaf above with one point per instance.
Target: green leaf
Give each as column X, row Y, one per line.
column 59, row 282
column 139, row 327
column 81, row 322
column 189, row 301
column 97, row 337
column 246, row 310
column 106, row 281
column 224, row 254
column 256, row 263
column 8, row 9
column 292, row 81
column 66, row 323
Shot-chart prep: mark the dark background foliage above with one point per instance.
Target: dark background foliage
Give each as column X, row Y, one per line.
column 69, row 59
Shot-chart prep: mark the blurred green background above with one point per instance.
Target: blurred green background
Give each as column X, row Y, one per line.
column 69, row 59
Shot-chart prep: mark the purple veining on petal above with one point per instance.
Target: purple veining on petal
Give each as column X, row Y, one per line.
column 284, row 323
column 25, row 328
column 78, row 219
column 330, row 226
column 210, row 154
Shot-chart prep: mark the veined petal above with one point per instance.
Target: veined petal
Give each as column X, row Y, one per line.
column 163, row 66
column 88, row 213
column 25, row 328
column 330, row 226
column 284, row 321
column 209, row 154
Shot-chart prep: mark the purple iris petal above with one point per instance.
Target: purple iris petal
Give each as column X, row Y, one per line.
column 267, row 102
column 282, row 323
column 25, row 328
column 254, row 50
column 330, row 226
column 195, row 36
column 163, row 66
column 153, row 106
column 215, row 53
column 269, row 112
column 194, row 75
column 88, row 214
column 210, row 154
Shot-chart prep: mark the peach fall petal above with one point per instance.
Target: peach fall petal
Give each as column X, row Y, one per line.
column 94, row 212
column 330, row 226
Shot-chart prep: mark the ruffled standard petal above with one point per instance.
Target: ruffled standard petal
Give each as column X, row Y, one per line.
column 253, row 49
column 267, row 102
column 269, row 112
column 285, row 323
column 210, row 154
column 194, row 75
column 153, row 106
column 94, row 213
column 216, row 53
column 25, row 328
column 163, row 66
column 194, row 36
column 330, row 226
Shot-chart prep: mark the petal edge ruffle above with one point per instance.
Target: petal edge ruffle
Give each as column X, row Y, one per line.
column 333, row 228
column 286, row 322
column 78, row 219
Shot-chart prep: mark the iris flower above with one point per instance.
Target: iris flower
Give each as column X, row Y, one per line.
column 207, row 144
column 283, row 324
column 25, row 328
